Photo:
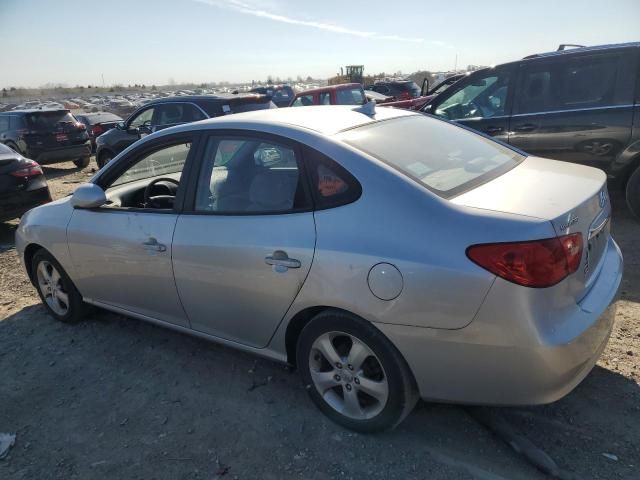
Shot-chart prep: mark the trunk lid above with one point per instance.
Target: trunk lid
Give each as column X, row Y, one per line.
column 54, row 128
column 572, row 197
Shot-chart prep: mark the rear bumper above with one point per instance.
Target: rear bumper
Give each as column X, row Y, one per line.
column 18, row 203
column 60, row 154
column 514, row 359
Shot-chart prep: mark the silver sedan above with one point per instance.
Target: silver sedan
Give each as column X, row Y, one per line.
column 388, row 255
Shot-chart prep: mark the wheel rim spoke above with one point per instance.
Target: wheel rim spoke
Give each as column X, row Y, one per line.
column 324, row 380
column 326, row 348
column 358, row 354
column 55, row 277
column 42, row 269
column 352, row 406
column 377, row 390
column 63, row 298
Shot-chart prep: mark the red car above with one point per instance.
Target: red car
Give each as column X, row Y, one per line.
column 344, row 94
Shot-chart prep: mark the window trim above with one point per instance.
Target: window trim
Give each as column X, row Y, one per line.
column 119, row 166
column 189, row 203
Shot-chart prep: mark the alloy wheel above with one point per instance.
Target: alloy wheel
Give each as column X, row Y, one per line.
column 348, row 375
column 52, row 289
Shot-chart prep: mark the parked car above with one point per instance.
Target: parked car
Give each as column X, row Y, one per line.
column 343, row 94
column 398, row 89
column 22, row 184
column 331, row 239
column 580, row 105
column 46, row 136
column 97, row 124
column 165, row 112
column 281, row 95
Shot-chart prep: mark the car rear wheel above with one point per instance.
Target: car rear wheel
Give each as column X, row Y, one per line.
column 354, row 374
column 633, row 193
column 82, row 162
column 57, row 292
column 104, row 158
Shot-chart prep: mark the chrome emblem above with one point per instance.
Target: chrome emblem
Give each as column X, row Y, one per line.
column 603, row 198
column 568, row 223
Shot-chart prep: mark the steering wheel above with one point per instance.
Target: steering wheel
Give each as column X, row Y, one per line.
column 159, row 201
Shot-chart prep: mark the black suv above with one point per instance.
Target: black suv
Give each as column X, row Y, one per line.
column 398, row 89
column 580, row 105
column 46, row 136
column 170, row 111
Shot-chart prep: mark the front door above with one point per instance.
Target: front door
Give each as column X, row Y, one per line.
column 577, row 109
column 244, row 246
column 121, row 252
column 480, row 101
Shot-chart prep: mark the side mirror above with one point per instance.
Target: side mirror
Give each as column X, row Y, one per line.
column 133, row 130
column 88, row 195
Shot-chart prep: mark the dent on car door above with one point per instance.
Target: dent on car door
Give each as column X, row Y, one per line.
column 577, row 109
column 481, row 101
column 121, row 251
column 242, row 250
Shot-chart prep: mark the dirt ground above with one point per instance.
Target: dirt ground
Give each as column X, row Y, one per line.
column 121, row 399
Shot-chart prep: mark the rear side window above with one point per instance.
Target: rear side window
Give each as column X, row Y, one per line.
column 4, row 123
column 445, row 158
column 574, row 83
column 45, row 121
column 331, row 184
column 252, row 106
column 303, row 101
column 352, row 96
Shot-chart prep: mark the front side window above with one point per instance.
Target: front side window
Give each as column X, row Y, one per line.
column 480, row 97
column 445, row 158
column 561, row 84
column 303, row 101
column 143, row 118
column 249, row 176
column 166, row 161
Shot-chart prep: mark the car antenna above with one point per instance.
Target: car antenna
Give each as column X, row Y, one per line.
column 368, row 108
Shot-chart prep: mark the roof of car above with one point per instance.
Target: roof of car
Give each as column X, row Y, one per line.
column 328, row 88
column 325, row 119
column 35, row 110
column 594, row 48
column 242, row 98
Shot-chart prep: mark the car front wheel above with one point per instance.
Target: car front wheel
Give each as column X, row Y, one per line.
column 354, row 374
column 57, row 292
column 82, row 162
column 104, row 158
column 633, row 193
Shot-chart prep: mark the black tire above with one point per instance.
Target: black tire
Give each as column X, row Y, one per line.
column 402, row 389
column 633, row 193
column 82, row 162
column 76, row 307
column 105, row 157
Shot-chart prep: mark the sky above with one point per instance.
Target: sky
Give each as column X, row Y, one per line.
column 149, row 42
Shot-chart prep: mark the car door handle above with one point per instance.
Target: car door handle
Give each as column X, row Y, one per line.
column 281, row 259
column 153, row 245
column 527, row 127
column 493, row 129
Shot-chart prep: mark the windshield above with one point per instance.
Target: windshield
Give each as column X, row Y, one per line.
column 445, row 158
column 48, row 120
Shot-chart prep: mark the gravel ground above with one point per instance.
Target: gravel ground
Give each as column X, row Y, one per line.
column 118, row 398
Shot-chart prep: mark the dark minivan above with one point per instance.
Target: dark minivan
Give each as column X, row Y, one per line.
column 46, row 136
column 580, row 105
column 167, row 112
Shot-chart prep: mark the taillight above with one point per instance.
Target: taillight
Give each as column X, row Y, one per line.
column 31, row 169
column 97, row 130
column 538, row 263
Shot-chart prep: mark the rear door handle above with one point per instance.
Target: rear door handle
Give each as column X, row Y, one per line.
column 280, row 258
column 153, row 245
column 493, row 129
column 527, row 127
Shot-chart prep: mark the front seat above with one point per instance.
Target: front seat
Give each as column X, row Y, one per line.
column 270, row 191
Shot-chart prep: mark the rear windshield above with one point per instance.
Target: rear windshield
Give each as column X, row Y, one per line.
column 410, row 87
column 48, row 120
column 445, row 158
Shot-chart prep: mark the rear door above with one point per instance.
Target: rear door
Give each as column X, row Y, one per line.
column 481, row 101
column 575, row 108
column 244, row 246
